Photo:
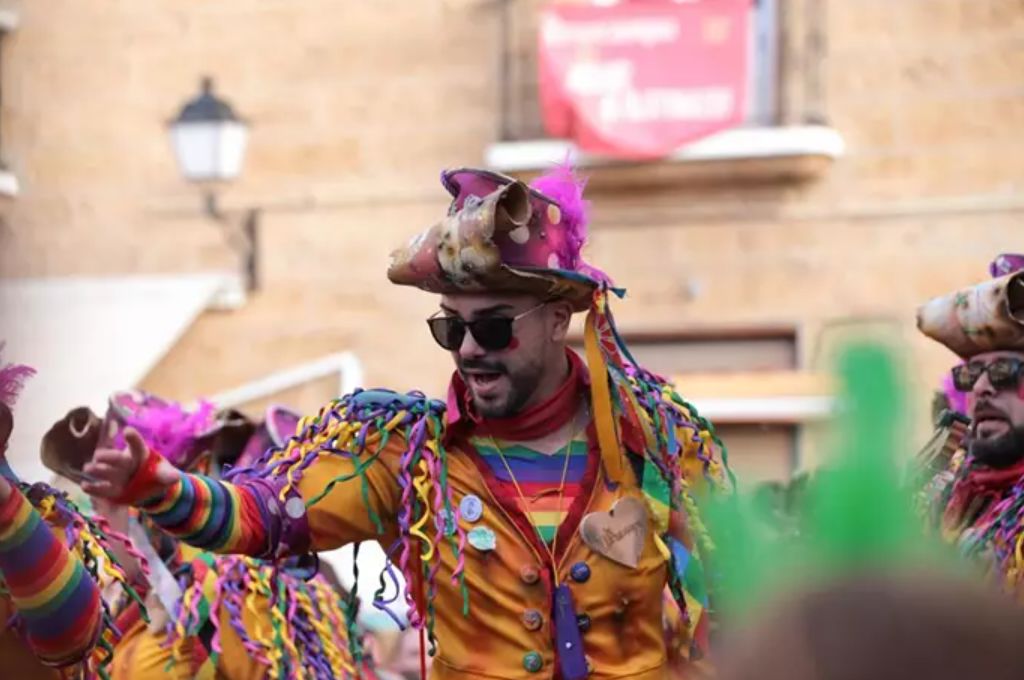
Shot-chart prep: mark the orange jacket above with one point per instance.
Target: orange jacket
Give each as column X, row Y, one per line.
column 345, row 489
column 624, row 634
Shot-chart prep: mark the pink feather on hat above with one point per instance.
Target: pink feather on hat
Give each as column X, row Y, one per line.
column 12, row 380
column 170, row 428
column 565, row 187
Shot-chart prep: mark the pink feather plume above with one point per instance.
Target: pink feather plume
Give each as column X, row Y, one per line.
column 565, row 186
column 12, row 380
column 171, row 429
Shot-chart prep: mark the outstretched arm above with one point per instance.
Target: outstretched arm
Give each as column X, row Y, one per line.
column 261, row 516
column 57, row 600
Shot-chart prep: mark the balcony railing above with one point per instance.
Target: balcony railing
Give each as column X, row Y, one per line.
column 785, row 86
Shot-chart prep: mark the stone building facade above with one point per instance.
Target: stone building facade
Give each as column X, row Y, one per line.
column 740, row 267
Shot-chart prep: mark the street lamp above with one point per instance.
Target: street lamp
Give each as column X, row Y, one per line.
column 210, row 142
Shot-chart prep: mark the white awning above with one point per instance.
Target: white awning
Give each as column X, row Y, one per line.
column 88, row 337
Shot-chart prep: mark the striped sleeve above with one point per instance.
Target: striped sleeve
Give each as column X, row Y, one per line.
column 58, row 603
column 213, row 516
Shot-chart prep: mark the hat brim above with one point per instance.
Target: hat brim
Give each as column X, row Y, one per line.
column 281, row 424
column 546, row 284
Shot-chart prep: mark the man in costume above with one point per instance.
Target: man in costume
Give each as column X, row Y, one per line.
column 232, row 617
column 978, row 501
column 540, row 512
column 52, row 620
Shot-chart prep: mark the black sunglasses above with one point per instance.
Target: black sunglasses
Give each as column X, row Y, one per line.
column 1004, row 374
column 492, row 333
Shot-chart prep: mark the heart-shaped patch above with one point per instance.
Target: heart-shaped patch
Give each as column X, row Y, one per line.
column 618, row 534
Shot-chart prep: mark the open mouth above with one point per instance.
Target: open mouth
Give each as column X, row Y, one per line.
column 987, row 424
column 991, row 419
column 484, row 378
column 483, row 382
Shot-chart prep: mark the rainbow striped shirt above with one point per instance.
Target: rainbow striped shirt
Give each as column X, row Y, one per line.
column 539, row 476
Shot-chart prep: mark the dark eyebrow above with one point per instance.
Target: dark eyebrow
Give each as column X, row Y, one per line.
column 486, row 311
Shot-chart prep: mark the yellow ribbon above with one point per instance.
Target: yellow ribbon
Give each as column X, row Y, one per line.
column 604, row 417
column 662, row 548
column 422, row 485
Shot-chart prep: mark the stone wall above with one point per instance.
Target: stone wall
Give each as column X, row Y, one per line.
column 356, row 106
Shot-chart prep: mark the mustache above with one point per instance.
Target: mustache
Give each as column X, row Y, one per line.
column 985, row 409
column 482, row 365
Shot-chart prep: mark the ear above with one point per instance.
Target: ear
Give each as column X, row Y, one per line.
column 561, row 317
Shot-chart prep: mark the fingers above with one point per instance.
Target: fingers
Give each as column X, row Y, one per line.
column 112, row 470
column 113, row 457
column 136, row 445
column 102, row 470
column 100, row 489
column 107, row 473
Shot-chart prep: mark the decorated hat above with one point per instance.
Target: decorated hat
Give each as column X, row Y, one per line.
column 278, row 426
column 501, row 235
column 181, row 435
column 986, row 317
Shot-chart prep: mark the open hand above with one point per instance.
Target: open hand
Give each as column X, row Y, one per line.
column 113, row 469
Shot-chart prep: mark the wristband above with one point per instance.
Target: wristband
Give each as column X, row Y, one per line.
column 143, row 485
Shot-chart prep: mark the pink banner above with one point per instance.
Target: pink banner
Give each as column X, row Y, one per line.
column 640, row 79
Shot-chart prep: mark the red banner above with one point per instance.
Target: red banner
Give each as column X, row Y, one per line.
column 641, row 78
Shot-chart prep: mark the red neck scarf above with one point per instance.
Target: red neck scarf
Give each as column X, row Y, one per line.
column 980, row 484
column 537, row 421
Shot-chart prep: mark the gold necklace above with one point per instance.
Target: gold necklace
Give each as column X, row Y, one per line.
column 552, row 550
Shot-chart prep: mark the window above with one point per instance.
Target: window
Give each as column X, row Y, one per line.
column 743, row 350
column 758, row 451
column 763, row 61
column 521, row 118
column 740, row 350
column 8, row 22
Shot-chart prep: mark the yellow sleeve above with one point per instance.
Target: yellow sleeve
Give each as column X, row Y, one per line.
column 345, row 506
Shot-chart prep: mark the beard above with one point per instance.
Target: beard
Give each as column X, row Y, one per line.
column 522, row 384
column 1000, row 452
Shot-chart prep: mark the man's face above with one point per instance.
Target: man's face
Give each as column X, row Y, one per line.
column 996, row 407
column 503, row 380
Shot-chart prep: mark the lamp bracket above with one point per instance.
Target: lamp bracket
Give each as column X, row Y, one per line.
column 242, row 235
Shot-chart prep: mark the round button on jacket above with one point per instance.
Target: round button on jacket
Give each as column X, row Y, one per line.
column 533, row 662
column 529, row 574
column 580, row 572
column 471, row 508
column 532, row 619
column 583, row 622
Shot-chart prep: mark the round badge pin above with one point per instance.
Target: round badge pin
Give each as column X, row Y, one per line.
column 471, row 508
column 295, row 508
column 483, row 539
column 445, row 522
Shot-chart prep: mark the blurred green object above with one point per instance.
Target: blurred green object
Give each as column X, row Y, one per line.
column 854, row 513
